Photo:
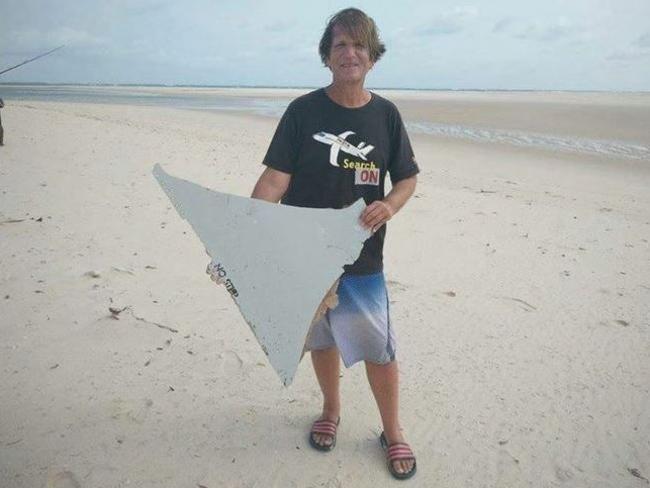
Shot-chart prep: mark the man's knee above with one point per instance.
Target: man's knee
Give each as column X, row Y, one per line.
column 377, row 366
column 325, row 352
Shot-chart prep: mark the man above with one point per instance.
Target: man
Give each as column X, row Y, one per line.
column 333, row 146
column 2, row 132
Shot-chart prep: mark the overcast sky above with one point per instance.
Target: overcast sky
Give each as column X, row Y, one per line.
column 501, row 44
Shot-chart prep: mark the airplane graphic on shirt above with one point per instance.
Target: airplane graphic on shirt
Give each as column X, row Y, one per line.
column 339, row 143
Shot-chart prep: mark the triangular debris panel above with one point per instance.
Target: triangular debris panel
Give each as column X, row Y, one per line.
column 277, row 261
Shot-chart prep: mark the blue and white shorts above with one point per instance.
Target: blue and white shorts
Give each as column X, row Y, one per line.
column 359, row 326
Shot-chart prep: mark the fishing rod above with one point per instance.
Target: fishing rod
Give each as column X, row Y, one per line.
column 32, row 59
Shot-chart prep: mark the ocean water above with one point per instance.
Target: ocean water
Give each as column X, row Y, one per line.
column 209, row 99
column 153, row 96
column 529, row 139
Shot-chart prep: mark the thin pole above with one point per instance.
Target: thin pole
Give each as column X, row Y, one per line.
column 32, row 59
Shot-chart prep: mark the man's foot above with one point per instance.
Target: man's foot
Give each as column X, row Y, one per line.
column 323, row 434
column 400, row 457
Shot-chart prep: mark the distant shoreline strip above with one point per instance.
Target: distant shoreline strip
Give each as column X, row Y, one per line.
column 276, row 107
column 534, row 140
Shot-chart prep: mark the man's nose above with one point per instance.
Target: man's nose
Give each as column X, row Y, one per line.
column 349, row 50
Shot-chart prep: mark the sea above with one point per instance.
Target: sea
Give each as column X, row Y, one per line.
column 195, row 98
column 215, row 99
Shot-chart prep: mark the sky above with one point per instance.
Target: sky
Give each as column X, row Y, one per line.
column 434, row 44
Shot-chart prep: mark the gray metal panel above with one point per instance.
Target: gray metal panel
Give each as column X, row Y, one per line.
column 279, row 260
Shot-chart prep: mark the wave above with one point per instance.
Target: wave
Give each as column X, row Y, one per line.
column 530, row 139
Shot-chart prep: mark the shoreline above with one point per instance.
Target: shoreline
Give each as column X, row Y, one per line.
column 154, row 86
column 585, row 131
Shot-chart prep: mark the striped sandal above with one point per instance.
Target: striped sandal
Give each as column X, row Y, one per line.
column 399, row 451
column 323, row 427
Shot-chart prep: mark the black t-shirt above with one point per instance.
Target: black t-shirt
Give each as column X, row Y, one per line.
column 336, row 155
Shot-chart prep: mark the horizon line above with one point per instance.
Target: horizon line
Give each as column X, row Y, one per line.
column 297, row 87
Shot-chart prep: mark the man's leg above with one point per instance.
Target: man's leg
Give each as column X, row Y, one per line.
column 384, row 382
column 327, row 368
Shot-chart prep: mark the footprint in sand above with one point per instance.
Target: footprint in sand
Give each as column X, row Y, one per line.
column 131, row 411
column 563, row 474
column 507, row 467
column 62, row 479
column 231, row 363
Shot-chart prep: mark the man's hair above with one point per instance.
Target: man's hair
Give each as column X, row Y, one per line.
column 359, row 26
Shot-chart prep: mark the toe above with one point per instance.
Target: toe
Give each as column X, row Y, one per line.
column 403, row 467
column 323, row 440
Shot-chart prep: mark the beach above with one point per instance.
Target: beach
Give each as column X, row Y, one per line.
column 519, row 281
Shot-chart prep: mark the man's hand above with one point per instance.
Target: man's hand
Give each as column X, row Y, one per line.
column 381, row 211
column 376, row 214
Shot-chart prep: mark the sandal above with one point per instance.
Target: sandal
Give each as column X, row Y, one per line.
column 324, row 427
column 399, row 451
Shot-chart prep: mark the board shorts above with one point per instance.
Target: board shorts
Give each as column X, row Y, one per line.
column 359, row 326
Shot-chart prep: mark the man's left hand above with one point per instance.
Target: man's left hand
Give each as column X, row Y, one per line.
column 376, row 214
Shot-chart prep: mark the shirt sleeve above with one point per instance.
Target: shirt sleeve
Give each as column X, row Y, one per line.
column 402, row 163
column 283, row 150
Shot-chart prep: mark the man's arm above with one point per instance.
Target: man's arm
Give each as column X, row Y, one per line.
column 380, row 211
column 271, row 185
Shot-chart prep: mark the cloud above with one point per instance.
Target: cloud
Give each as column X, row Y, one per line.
column 639, row 49
column 643, row 41
column 539, row 32
column 627, row 55
column 146, row 8
column 503, row 25
column 448, row 22
column 562, row 28
column 279, row 26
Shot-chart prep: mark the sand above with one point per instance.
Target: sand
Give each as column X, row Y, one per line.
column 520, row 293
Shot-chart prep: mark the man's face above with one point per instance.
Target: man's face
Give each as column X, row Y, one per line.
column 349, row 60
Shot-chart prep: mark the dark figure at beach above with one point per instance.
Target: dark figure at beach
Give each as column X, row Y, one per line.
column 2, row 132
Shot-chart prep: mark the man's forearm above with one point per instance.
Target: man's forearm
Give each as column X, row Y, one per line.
column 400, row 193
column 266, row 192
column 271, row 186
